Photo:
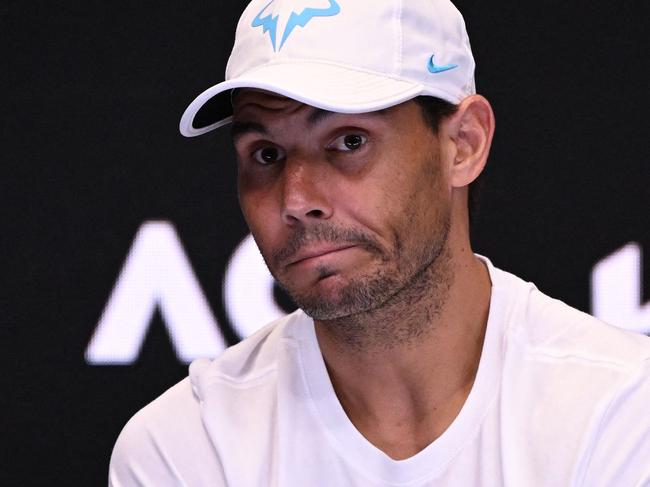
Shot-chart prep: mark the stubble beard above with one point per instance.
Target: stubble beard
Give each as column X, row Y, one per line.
column 395, row 304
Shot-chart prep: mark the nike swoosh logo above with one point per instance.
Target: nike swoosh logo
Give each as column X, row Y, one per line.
column 434, row 69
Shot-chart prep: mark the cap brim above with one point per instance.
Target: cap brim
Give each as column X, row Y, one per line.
column 326, row 86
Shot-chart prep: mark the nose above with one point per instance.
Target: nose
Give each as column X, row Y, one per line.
column 305, row 195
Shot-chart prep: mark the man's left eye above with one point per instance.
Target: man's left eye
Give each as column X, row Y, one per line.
column 348, row 142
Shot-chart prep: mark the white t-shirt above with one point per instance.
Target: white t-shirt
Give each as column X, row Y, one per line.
column 560, row 399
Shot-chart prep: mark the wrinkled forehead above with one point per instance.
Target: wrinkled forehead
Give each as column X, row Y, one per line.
column 242, row 98
column 252, row 101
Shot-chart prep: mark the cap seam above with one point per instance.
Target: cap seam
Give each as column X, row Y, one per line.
column 470, row 85
column 329, row 63
column 400, row 39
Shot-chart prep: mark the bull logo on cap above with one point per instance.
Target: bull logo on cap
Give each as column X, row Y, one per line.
column 268, row 18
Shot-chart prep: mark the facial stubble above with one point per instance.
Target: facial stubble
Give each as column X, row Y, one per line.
column 392, row 305
column 395, row 306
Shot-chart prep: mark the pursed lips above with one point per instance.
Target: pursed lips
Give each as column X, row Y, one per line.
column 313, row 252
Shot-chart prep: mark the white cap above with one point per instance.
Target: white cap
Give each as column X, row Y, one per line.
column 347, row 56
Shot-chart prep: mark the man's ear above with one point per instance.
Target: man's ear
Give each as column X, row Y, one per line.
column 471, row 128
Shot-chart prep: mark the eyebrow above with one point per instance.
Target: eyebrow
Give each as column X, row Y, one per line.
column 237, row 129
column 317, row 115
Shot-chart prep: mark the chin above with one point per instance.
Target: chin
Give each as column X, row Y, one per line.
column 324, row 301
column 333, row 297
column 325, row 310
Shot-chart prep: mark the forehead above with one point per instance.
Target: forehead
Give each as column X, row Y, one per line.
column 245, row 100
column 243, row 96
column 254, row 110
column 250, row 103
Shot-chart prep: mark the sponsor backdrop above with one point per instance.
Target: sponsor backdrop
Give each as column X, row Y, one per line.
column 125, row 252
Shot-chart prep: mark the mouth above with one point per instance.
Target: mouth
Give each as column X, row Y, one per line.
column 317, row 252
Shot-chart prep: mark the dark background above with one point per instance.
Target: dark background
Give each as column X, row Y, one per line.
column 92, row 95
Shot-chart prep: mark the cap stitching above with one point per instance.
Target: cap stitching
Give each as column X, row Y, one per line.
column 331, row 63
column 400, row 39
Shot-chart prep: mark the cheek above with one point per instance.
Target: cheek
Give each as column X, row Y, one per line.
column 418, row 201
column 411, row 190
column 258, row 212
column 378, row 209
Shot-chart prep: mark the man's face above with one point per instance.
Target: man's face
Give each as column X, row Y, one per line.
column 347, row 210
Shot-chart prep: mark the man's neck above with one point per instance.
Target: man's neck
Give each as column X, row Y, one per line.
column 411, row 365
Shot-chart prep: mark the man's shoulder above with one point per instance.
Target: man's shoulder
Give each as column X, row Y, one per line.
column 251, row 360
column 161, row 442
column 574, row 385
column 556, row 327
column 171, row 434
column 243, row 365
column 549, row 327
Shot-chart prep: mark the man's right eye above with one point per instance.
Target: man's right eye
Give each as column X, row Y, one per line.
column 268, row 155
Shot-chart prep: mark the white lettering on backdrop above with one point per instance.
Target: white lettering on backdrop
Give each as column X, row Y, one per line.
column 157, row 273
column 248, row 290
column 617, row 290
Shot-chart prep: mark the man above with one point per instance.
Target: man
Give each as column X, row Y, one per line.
column 412, row 361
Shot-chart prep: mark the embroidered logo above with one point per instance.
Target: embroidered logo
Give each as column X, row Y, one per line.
column 434, row 68
column 268, row 18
